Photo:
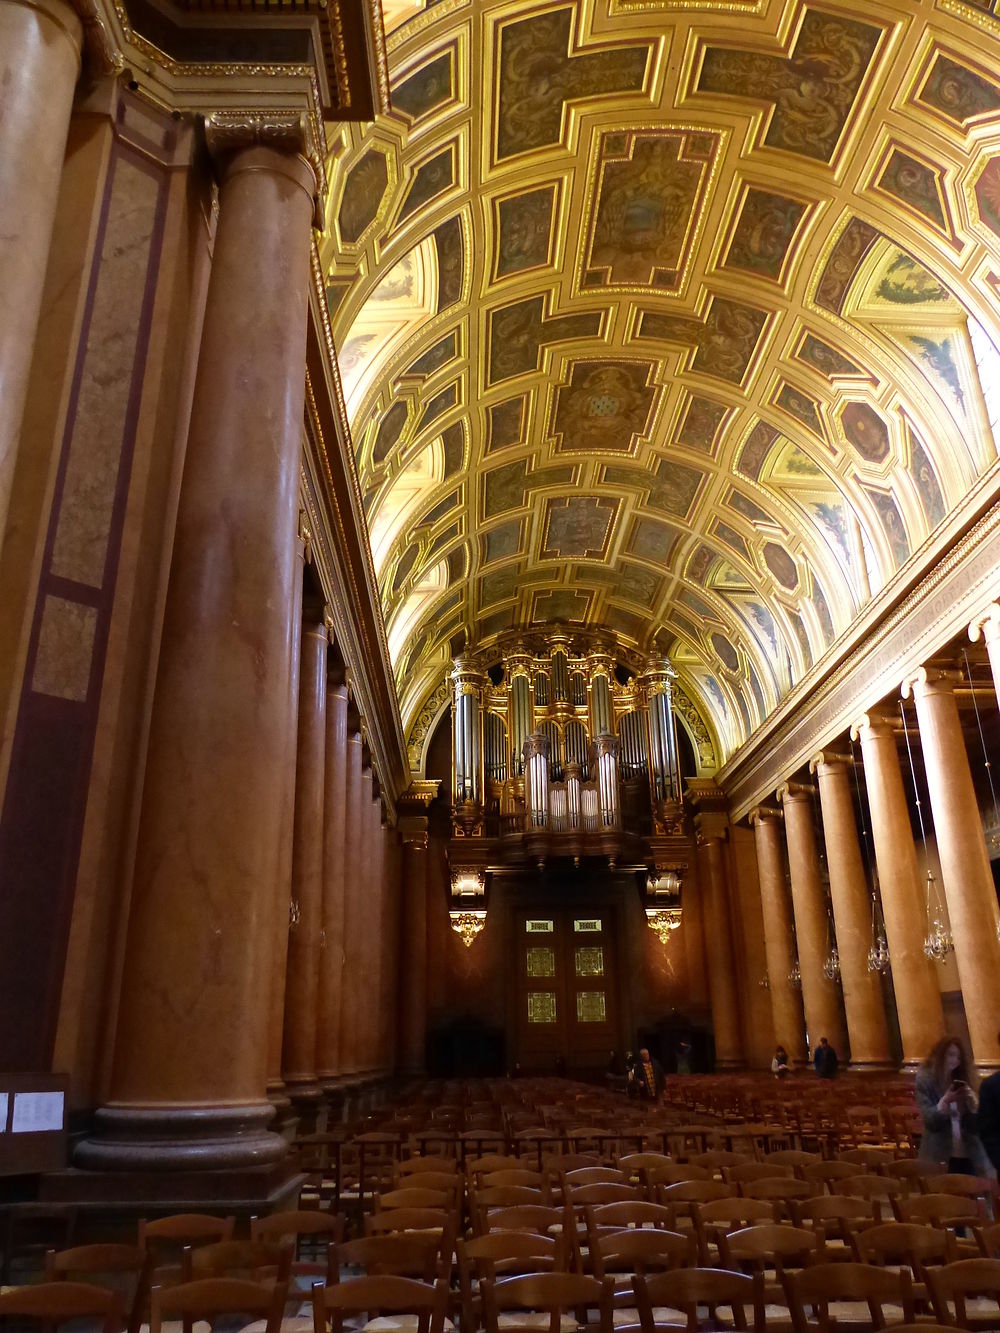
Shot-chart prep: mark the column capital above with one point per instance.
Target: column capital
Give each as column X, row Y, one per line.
column 873, row 723
column 986, row 625
column 795, row 791
column 826, row 757
column 285, row 142
column 765, row 814
column 929, row 678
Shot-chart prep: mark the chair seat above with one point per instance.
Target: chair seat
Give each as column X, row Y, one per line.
column 534, row 1319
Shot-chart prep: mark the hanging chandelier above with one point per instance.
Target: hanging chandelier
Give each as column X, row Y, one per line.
column 795, row 976
column 831, row 968
column 938, row 943
column 765, row 982
column 878, row 954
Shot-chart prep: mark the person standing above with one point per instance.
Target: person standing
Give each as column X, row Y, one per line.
column 647, row 1076
column 825, row 1060
column 989, row 1117
column 946, row 1099
column 779, row 1063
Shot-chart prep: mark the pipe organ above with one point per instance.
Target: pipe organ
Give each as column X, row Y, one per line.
column 546, row 736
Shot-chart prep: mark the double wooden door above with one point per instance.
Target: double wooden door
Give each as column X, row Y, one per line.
column 567, row 992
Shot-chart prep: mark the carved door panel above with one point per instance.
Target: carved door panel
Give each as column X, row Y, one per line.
column 567, row 1002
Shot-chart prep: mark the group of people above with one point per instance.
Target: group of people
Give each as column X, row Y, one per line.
column 960, row 1128
column 825, row 1061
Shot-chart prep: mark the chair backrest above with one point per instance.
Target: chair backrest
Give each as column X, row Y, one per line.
column 255, row 1260
column 553, row 1293
column 823, row 1284
column 902, row 1242
column 835, row 1214
column 578, row 1196
column 301, row 1222
column 770, row 1245
column 405, row 1254
column 413, row 1197
column 747, row 1171
column 826, row 1171
column 512, row 1175
column 213, row 1296
column 988, row 1240
column 91, row 1263
column 524, row 1217
column 717, row 1158
column 594, row 1175
column 949, row 1210
column 951, row 1284
column 410, row 1219
column 639, row 1251
column 627, row 1213
column 509, row 1252
column 182, row 1229
column 376, row 1295
column 418, row 1166
column 691, row 1289
column 672, row 1173
column 796, row 1158
column 964, row 1186
column 681, row 1199
column 57, row 1302
column 781, row 1192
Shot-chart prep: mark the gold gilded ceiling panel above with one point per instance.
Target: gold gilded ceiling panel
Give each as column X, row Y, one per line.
column 673, row 317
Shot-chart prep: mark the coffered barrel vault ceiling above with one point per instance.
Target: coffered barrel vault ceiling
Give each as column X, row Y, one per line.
column 677, row 319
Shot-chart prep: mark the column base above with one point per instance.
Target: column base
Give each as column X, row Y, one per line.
column 870, row 1067
column 179, row 1138
column 730, row 1066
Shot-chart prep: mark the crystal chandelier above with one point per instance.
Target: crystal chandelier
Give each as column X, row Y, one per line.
column 765, row 982
column 795, row 976
column 938, row 943
column 663, row 920
column 878, row 954
column 831, row 968
column 467, row 924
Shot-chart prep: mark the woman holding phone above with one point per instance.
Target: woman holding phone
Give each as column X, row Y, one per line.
column 946, row 1098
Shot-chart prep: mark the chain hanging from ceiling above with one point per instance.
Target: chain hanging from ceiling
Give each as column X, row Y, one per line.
column 878, row 952
column 938, row 943
column 993, row 836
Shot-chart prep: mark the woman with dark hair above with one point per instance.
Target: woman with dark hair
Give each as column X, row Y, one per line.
column 946, row 1099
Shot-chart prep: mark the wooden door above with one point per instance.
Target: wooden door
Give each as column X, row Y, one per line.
column 567, row 995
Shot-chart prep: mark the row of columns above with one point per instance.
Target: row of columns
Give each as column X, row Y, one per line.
column 968, row 884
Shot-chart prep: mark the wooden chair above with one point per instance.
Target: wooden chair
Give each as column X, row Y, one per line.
column 716, row 1159
column 905, row 1244
column 828, row 1173
column 406, row 1254
column 867, row 1158
column 443, row 1221
column 637, row 1164
column 796, row 1158
column 966, row 1292
column 770, row 1249
column 253, row 1260
column 420, row 1166
column 303, row 1229
column 848, row 1295
column 593, row 1175
column 836, row 1217
column 622, row 1254
column 88, row 1263
column 555, row 1294
column 681, row 1199
column 691, row 1290
column 166, row 1238
column 53, row 1303
column 976, row 1189
column 673, row 1173
column 386, row 1295
column 782, row 1193
column 512, row 1176
column 988, row 1240
column 205, row 1300
column 910, row 1171
column 607, row 1217
column 504, row 1253
column 938, row 1210
column 719, row 1216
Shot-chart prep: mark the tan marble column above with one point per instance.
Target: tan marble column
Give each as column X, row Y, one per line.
column 40, row 44
column 965, row 865
column 918, row 996
column 820, row 998
column 372, row 1034
column 723, row 995
column 413, row 948
column 776, row 908
column 353, row 908
column 851, row 898
column 190, row 1066
column 283, row 887
column 987, row 627
column 302, row 975
column 391, row 929
column 334, row 839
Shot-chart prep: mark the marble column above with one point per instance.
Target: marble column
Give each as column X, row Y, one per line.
column 965, row 864
column 723, row 995
column 40, row 42
column 190, row 1064
column 302, row 975
column 820, row 997
column 283, row 887
column 776, row 908
column 413, row 949
column 372, row 1034
column 334, row 838
column 354, row 923
column 851, row 898
column 914, row 980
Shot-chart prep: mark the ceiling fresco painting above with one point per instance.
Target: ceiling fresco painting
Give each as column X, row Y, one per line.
column 674, row 319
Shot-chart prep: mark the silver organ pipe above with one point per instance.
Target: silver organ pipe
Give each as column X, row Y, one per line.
column 521, row 719
column 496, row 748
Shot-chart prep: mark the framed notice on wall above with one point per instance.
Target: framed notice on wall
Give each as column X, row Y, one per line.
column 32, row 1123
